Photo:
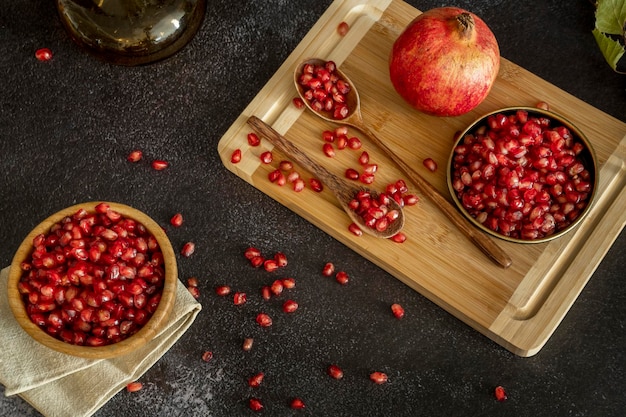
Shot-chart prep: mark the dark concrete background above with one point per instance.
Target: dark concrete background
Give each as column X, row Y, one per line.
column 66, row 127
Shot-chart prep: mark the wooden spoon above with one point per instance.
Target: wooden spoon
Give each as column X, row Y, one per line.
column 355, row 119
column 343, row 190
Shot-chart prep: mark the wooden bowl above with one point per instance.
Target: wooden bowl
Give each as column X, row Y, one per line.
column 131, row 343
column 587, row 156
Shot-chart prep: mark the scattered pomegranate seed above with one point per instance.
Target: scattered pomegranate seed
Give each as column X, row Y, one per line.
column 134, row 156
column 543, row 105
column 298, row 103
column 255, row 380
column 277, row 287
column 397, row 310
column 342, row 277
column 281, row 259
column 266, row 292
column 253, row 139
column 177, row 220
column 354, row 143
column 299, row 185
column 289, row 283
column 255, row 404
column 335, row 372
column 43, row 54
column 328, row 150
column 355, row 229
column 297, row 404
column 222, row 290
column 159, row 164
column 290, row 306
column 235, row 157
column 430, row 164
column 188, row 249
column 251, row 252
column 270, row 265
column 500, row 393
column 192, row 281
column 378, row 377
column 247, row 344
column 316, row 185
column 267, row 157
column 239, row 298
column 263, row 320
column 194, row 291
column 343, row 28
column 207, row 356
column 257, row 261
column 285, row 165
column 134, row 386
column 328, row 270
column 398, row 237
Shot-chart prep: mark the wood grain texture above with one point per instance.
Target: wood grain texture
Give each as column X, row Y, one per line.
column 519, row 307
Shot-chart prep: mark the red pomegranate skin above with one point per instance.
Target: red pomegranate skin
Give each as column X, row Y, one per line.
column 440, row 69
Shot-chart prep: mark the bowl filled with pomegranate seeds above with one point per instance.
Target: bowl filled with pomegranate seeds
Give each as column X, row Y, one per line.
column 96, row 280
column 523, row 174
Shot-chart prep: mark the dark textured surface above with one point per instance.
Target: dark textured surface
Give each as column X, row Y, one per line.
column 66, row 127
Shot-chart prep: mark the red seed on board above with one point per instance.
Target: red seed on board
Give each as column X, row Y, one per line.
column 235, row 157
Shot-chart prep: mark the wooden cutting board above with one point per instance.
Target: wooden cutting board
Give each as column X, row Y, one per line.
column 519, row 307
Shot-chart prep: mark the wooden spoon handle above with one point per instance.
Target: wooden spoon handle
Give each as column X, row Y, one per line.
column 480, row 239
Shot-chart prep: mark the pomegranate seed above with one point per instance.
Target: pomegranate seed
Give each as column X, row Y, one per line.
column 235, row 157
column 207, row 356
column 177, row 220
column 297, row 404
column 257, row 261
column 194, row 291
column 267, row 157
column 341, row 142
column 266, row 292
column 328, row 150
column 500, row 393
column 341, row 130
column 255, row 404
column 298, row 103
column 355, row 229
column 255, row 380
column 364, row 158
column 222, row 290
column 328, row 270
column 281, row 259
column 285, row 165
column 398, row 237
column 290, row 306
column 542, row 105
column 134, row 386
column 277, row 287
column 263, row 320
column 299, row 185
column 397, row 310
column 188, row 249
column 253, row 139
column 354, row 143
column 335, row 372
column 430, row 164
column 134, row 156
column 289, row 283
column 343, row 28
column 270, row 265
column 342, row 277
column 239, row 298
column 378, row 377
column 159, row 164
column 251, row 252
column 352, row 174
column 43, row 54
column 247, row 344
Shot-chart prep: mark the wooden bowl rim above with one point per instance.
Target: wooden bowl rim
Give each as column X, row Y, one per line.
column 144, row 335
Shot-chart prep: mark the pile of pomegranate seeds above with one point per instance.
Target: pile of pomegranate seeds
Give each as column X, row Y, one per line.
column 374, row 210
column 94, row 279
column 325, row 90
column 522, row 177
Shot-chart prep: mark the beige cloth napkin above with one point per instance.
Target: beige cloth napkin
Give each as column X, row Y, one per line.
column 60, row 385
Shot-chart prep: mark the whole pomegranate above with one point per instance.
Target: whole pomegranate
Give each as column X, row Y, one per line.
column 445, row 62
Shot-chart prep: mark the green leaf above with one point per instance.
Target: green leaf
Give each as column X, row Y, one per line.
column 611, row 49
column 611, row 17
